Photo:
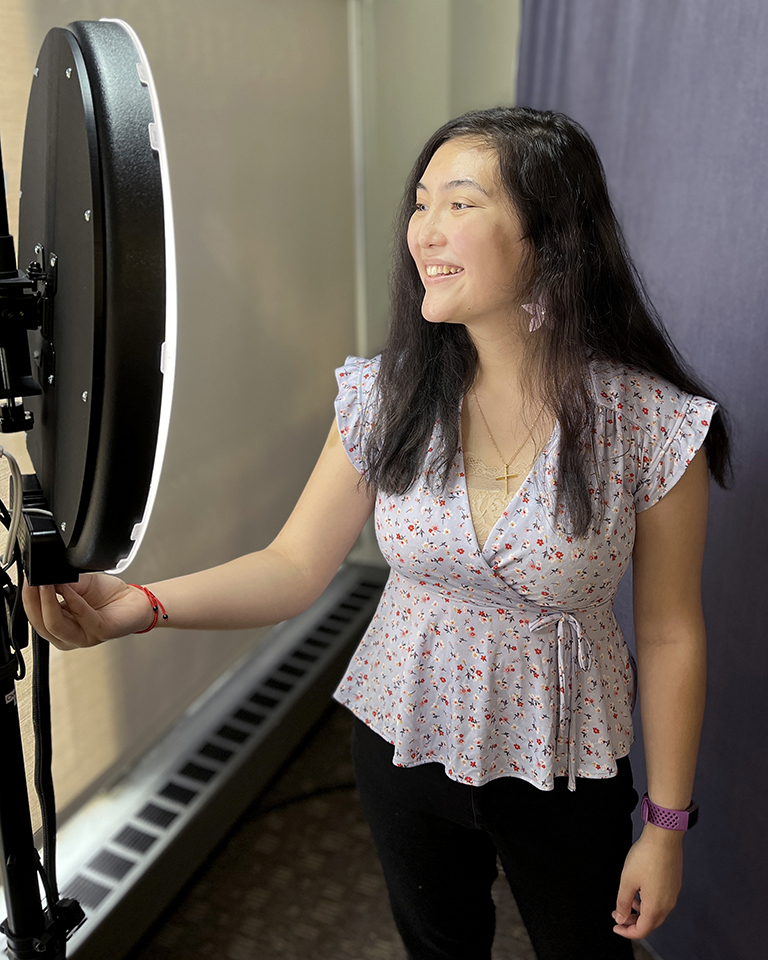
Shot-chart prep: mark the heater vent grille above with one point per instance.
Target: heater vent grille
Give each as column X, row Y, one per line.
column 159, row 816
column 88, row 892
column 211, row 752
column 133, row 839
column 195, row 772
column 177, row 793
column 111, row 865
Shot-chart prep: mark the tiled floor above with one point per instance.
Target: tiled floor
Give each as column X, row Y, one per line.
column 300, row 880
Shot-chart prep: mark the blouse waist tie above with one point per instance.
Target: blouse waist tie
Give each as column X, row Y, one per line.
column 574, row 651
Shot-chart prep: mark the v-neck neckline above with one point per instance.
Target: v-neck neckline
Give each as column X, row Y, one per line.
column 526, row 480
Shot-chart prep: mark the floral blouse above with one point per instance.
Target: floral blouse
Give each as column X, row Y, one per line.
column 504, row 658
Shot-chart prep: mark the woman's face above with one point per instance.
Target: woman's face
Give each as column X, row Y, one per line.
column 465, row 238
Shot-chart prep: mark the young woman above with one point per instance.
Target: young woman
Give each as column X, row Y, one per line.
column 526, row 433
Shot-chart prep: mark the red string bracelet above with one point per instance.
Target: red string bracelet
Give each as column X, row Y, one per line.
column 156, row 607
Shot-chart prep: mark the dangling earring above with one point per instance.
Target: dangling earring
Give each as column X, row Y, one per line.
column 538, row 315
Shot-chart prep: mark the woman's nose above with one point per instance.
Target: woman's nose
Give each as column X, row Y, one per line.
column 430, row 232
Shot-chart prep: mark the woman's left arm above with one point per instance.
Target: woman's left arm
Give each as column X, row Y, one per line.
column 671, row 660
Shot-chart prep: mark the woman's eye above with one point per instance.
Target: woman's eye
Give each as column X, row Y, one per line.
column 420, row 207
column 460, row 205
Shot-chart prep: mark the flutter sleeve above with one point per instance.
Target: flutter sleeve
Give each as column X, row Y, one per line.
column 675, row 426
column 355, row 405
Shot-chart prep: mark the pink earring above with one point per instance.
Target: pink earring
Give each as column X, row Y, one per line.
column 538, row 315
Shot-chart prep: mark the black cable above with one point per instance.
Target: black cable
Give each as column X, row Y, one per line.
column 50, row 895
column 15, row 589
column 41, row 723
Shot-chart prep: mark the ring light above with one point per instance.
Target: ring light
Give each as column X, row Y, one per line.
column 87, row 341
column 95, row 214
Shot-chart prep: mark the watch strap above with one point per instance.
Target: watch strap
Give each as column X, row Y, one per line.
column 668, row 819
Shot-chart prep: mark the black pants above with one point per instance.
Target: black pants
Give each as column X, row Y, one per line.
column 438, row 841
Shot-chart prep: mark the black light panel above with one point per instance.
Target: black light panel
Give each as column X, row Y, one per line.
column 95, row 214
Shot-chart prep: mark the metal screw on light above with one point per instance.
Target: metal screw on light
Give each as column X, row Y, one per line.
column 63, row 525
column 50, row 378
column 87, row 214
column 69, row 72
column 85, row 396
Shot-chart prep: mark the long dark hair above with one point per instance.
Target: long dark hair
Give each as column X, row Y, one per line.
column 580, row 271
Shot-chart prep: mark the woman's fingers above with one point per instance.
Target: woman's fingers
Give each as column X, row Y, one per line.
column 62, row 615
column 34, row 610
column 60, row 626
column 52, row 615
column 640, row 924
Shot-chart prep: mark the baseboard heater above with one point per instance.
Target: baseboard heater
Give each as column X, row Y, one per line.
column 128, row 853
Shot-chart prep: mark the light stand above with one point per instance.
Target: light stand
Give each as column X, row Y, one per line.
column 87, row 352
column 30, row 931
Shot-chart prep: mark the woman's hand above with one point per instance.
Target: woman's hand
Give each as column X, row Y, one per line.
column 99, row 607
column 654, row 871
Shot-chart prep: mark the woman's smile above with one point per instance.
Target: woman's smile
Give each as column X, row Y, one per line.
column 440, row 271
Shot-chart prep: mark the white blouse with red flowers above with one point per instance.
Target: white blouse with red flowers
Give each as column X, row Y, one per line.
column 505, row 658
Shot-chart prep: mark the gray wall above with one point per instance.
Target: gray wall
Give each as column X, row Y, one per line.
column 418, row 63
column 674, row 97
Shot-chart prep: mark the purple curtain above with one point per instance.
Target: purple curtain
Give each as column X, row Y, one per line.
column 675, row 95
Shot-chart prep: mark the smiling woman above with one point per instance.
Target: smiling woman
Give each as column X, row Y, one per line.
column 493, row 690
column 543, row 356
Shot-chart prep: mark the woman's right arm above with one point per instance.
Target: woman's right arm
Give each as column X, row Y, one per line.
column 260, row 588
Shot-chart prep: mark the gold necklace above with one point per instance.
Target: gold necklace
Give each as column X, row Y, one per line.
column 507, row 476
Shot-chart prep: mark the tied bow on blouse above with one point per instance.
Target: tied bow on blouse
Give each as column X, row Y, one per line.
column 574, row 650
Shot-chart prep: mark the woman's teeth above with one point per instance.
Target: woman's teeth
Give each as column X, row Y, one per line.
column 439, row 270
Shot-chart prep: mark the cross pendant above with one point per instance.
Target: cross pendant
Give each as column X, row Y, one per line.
column 507, row 476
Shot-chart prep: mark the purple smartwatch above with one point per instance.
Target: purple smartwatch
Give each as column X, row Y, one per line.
column 668, row 819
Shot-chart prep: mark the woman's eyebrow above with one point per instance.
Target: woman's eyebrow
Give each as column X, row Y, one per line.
column 451, row 184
